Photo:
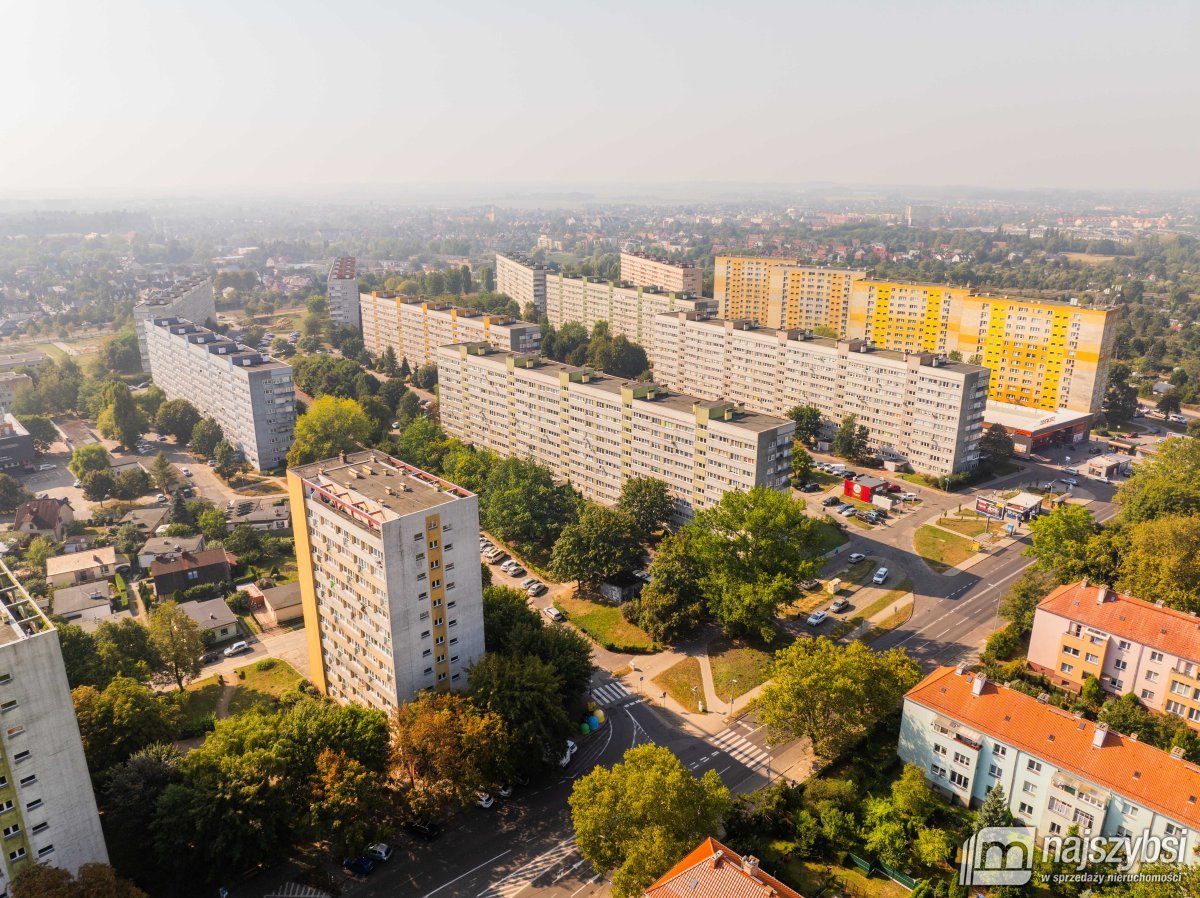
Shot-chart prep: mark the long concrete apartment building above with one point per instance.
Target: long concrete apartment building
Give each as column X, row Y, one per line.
column 648, row 270
column 415, row 327
column 919, row 408
column 192, row 299
column 1042, row 354
column 1057, row 769
column 47, row 807
column 598, row 431
column 629, row 311
column 389, row 578
column 520, row 278
column 250, row 394
column 783, row 293
column 1083, row 630
column 341, row 291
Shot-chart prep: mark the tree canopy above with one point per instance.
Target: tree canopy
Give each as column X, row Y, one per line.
column 330, row 426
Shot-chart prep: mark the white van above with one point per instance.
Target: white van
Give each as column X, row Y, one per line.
column 837, row 469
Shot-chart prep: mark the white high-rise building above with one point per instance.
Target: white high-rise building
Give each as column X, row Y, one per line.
column 250, row 394
column 390, row 580
column 521, row 279
column 919, row 408
column 647, row 270
column 192, row 299
column 47, row 807
column 598, row 431
column 415, row 327
column 342, row 293
column 628, row 311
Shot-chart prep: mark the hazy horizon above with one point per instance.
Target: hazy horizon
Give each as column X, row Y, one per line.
column 141, row 99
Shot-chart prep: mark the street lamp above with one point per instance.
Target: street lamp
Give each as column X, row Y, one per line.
column 697, row 700
column 732, row 693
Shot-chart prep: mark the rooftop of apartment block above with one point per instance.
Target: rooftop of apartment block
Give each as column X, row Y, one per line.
column 1146, row 623
column 344, row 268
column 20, row 616
column 522, row 259
column 1147, row 775
column 378, row 486
column 498, row 319
column 167, row 294
column 985, row 294
column 643, row 391
column 660, row 260
column 239, row 356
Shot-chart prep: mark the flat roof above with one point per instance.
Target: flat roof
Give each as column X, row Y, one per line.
column 377, row 486
column 164, row 295
column 20, row 616
column 1023, row 417
column 236, row 351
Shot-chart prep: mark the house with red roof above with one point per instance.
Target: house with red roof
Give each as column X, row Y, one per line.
column 714, row 871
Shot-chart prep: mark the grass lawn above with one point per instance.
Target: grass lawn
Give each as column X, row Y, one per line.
column 826, row 480
column 748, row 663
column 605, row 625
column 892, row 595
column 968, row 526
column 678, row 681
column 860, row 572
column 829, row 537
column 812, row 877
column 49, row 348
column 941, row 550
column 199, row 705
column 257, row 687
column 889, row 623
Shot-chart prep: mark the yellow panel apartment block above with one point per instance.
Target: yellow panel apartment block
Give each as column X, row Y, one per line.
column 783, row 293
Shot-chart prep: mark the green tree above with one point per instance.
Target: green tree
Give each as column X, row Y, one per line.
column 640, row 816
column 150, row 400
column 392, row 391
column 602, row 543
column 98, row 485
column 122, row 420
column 511, row 627
column 41, row 430
column 832, row 693
column 177, row 418
column 120, row 719
column 1161, row 562
column 892, row 826
column 131, row 483
column 1169, row 483
column 425, row 377
column 523, row 691
column 523, row 505
column 1060, row 541
column 12, row 493
column 994, row 811
column 206, row 434
column 92, row 881
column 213, row 525
column 995, row 446
column 128, row 540
column 92, row 457
column 330, row 426
column 1170, row 402
column 802, row 463
column 178, row 643
column 120, row 353
column 387, row 362
column 124, row 649
column 39, row 550
column 162, row 472
column 346, row 803
column 225, row 461
column 808, row 422
column 129, row 794
column 1020, row 602
column 850, row 441
column 80, row 658
column 648, row 503
column 1121, row 400
column 181, row 512
column 423, row 444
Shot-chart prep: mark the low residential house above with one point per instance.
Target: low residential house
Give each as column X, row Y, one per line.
column 16, row 445
column 167, row 548
column 188, row 569
column 147, row 519
column 83, row 567
column 272, row 516
column 78, row 543
column 282, row 604
column 715, row 871
column 212, row 616
column 90, row 624
column 92, row 601
column 44, row 517
column 1057, row 769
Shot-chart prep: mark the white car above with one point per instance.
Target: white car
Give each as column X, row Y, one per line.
column 909, row 497
column 484, row 800
column 160, row 498
column 881, row 576
column 553, row 613
column 644, row 576
column 1069, row 481
column 537, row 589
column 817, row 618
column 238, row 648
column 525, row 584
column 187, row 472
column 509, row 565
column 380, row 852
column 855, row 557
column 568, row 754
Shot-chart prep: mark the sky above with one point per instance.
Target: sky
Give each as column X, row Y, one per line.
column 232, row 96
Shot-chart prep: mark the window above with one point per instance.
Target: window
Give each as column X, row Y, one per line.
column 1029, row 788
column 959, row 779
column 8, row 705
column 1055, row 829
column 40, row 827
column 1092, row 659
column 1148, row 694
column 937, row 771
column 1025, row 809
column 45, row 850
column 29, row 780
column 1172, row 830
column 940, row 749
column 1066, row 668
column 1151, row 676
column 22, row 755
column 1179, row 688
column 1120, row 664
column 34, row 805
column 1035, row 766
column 995, row 771
column 1129, row 809
column 999, row 751
column 16, row 855
column 5, row 678
column 961, row 759
column 13, row 830
column 1123, row 645
column 1156, row 657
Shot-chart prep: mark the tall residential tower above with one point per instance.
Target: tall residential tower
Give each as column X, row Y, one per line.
column 342, row 291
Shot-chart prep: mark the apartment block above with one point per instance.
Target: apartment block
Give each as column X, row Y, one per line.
column 415, row 327
column 1046, row 355
column 47, row 807
column 1057, row 769
column 598, row 431
column 629, row 311
column 1083, row 630
column 250, row 394
column 389, row 578
column 11, row 383
column 192, row 299
column 520, row 278
column 783, row 293
column 342, row 293
column 647, row 270
column 919, row 408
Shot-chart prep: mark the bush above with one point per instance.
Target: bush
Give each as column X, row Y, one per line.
column 265, row 664
column 195, row 728
column 1002, row 645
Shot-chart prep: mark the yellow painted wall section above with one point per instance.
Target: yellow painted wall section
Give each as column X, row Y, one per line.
column 308, row 592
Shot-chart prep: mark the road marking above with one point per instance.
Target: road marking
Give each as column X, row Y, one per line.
column 738, row 748
column 585, row 885
column 637, row 728
column 468, row 873
column 609, row 693
column 518, row 880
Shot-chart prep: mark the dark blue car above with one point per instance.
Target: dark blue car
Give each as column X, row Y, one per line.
column 361, row 866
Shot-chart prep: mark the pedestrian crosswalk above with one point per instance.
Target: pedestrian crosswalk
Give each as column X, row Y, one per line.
column 610, row 694
column 741, row 749
column 519, row 879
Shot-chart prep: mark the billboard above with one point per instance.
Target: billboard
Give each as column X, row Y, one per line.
column 989, row 507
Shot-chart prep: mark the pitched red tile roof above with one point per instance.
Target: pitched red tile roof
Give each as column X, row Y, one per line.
column 1146, row 775
column 44, row 513
column 188, row 561
column 1124, row 616
column 713, row 871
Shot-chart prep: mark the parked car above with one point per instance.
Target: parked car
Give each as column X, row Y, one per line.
column 187, row 472
column 811, row 487
column 380, row 852
column 881, row 576
column 160, row 498
column 847, row 511
column 78, row 484
column 426, row 832
column 47, row 467
column 829, row 501
column 817, row 618
column 568, row 753
column 855, row 557
column 1071, row 470
column 1069, row 481
column 484, row 800
column 909, row 497
column 359, row 866
column 525, row 584
column 516, row 571
column 644, row 576
column 839, row 605
column 537, row 589
column 1103, row 479
column 553, row 613
column 509, row 565
column 238, row 648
